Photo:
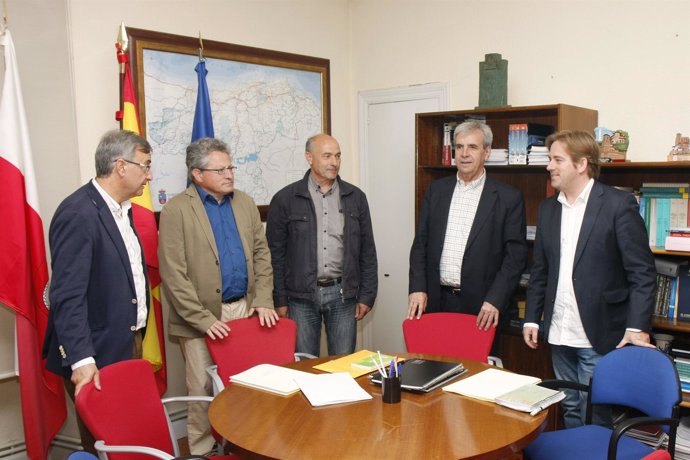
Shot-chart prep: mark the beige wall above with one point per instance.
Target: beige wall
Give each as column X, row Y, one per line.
column 626, row 58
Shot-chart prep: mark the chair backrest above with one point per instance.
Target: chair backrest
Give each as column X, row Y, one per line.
column 127, row 410
column 249, row 344
column 638, row 377
column 448, row 334
column 658, row 455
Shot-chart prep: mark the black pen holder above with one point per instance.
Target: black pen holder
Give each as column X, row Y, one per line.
column 390, row 390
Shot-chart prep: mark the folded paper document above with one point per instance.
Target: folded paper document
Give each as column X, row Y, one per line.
column 519, row 392
column 268, row 377
column 325, row 389
column 348, row 363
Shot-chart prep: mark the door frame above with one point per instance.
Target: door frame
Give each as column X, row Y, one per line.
column 437, row 91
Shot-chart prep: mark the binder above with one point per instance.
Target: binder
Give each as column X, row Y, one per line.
column 425, row 375
column 683, row 293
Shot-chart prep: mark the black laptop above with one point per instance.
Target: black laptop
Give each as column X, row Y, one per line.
column 424, row 375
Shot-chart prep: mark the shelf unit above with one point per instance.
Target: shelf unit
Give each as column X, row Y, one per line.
column 532, row 181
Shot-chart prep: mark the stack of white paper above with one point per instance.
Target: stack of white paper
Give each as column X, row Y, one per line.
column 325, row 389
column 489, row 384
column 268, row 377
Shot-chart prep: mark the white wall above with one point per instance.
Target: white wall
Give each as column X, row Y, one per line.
column 626, row 58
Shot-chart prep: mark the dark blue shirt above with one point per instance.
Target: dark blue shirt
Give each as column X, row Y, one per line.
column 233, row 266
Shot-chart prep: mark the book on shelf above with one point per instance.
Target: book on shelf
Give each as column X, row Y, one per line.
column 652, row 435
column 683, row 294
column 668, row 267
column 516, row 391
column 677, row 243
column 665, row 185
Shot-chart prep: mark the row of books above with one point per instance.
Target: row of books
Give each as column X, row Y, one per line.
column 525, row 139
column 673, row 289
column 525, row 144
column 665, row 209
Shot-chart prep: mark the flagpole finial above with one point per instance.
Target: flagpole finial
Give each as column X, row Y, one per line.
column 122, row 38
column 201, row 47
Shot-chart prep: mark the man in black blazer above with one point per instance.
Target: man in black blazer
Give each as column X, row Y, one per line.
column 593, row 276
column 98, row 289
column 470, row 247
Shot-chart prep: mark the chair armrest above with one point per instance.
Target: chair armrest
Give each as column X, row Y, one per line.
column 102, row 447
column 187, row 399
column 218, row 384
column 556, row 384
column 495, row 361
column 626, row 425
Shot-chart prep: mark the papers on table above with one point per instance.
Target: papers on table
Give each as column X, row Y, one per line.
column 489, row 384
column 516, row 391
column 325, row 389
column 268, row 377
column 319, row 389
column 345, row 364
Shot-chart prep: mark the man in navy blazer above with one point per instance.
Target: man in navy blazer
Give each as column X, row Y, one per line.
column 593, row 276
column 98, row 290
column 470, row 247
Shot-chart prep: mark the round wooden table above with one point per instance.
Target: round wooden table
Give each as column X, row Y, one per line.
column 435, row 425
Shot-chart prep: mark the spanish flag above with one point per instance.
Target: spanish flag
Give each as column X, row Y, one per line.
column 145, row 223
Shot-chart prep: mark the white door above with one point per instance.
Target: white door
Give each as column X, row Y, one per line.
column 387, row 159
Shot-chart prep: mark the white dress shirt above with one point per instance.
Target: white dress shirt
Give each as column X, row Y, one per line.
column 463, row 207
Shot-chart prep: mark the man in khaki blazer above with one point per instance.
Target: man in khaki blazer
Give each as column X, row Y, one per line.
column 215, row 266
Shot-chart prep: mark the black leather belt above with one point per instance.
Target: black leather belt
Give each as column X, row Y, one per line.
column 328, row 282
column 451, row 289
column 233, row 299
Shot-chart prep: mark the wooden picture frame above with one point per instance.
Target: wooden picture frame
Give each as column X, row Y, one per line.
column 315, row 71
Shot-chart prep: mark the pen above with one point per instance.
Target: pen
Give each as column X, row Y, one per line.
column 390, row 369
column 378, row 368
column 383, row 367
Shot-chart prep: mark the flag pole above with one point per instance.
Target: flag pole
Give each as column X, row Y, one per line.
column 122, row 45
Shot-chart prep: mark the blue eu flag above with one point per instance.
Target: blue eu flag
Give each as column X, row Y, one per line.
column 203, row 121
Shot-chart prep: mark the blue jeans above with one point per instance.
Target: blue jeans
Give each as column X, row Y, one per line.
column 577, row 365
column 337, row 313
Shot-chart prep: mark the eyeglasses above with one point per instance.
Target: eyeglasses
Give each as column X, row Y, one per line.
column 144, row 166
column 220, row 171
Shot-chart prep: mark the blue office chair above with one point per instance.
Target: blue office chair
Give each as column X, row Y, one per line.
column 81, row 455
column 637, row 377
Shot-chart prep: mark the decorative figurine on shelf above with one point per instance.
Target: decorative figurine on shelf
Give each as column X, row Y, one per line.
column 680, row 151
column 613, row 145
column 493, row 82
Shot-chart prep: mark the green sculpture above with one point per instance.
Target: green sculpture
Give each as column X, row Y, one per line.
column 493, row 81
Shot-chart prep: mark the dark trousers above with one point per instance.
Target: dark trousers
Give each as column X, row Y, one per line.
column 87, row 439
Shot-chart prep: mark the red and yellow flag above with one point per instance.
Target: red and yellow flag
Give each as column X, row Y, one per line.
column 145, row 223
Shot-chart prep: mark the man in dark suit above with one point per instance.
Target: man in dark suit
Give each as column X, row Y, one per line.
column 470, row 246
column 98, row 290
column 593, row 276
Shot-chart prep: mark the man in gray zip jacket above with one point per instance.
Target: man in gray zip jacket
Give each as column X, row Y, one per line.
column 323, row 252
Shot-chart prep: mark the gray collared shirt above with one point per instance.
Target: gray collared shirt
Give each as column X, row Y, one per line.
column 329, row 230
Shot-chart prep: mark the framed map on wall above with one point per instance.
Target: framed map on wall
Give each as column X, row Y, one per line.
column 265, row 104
